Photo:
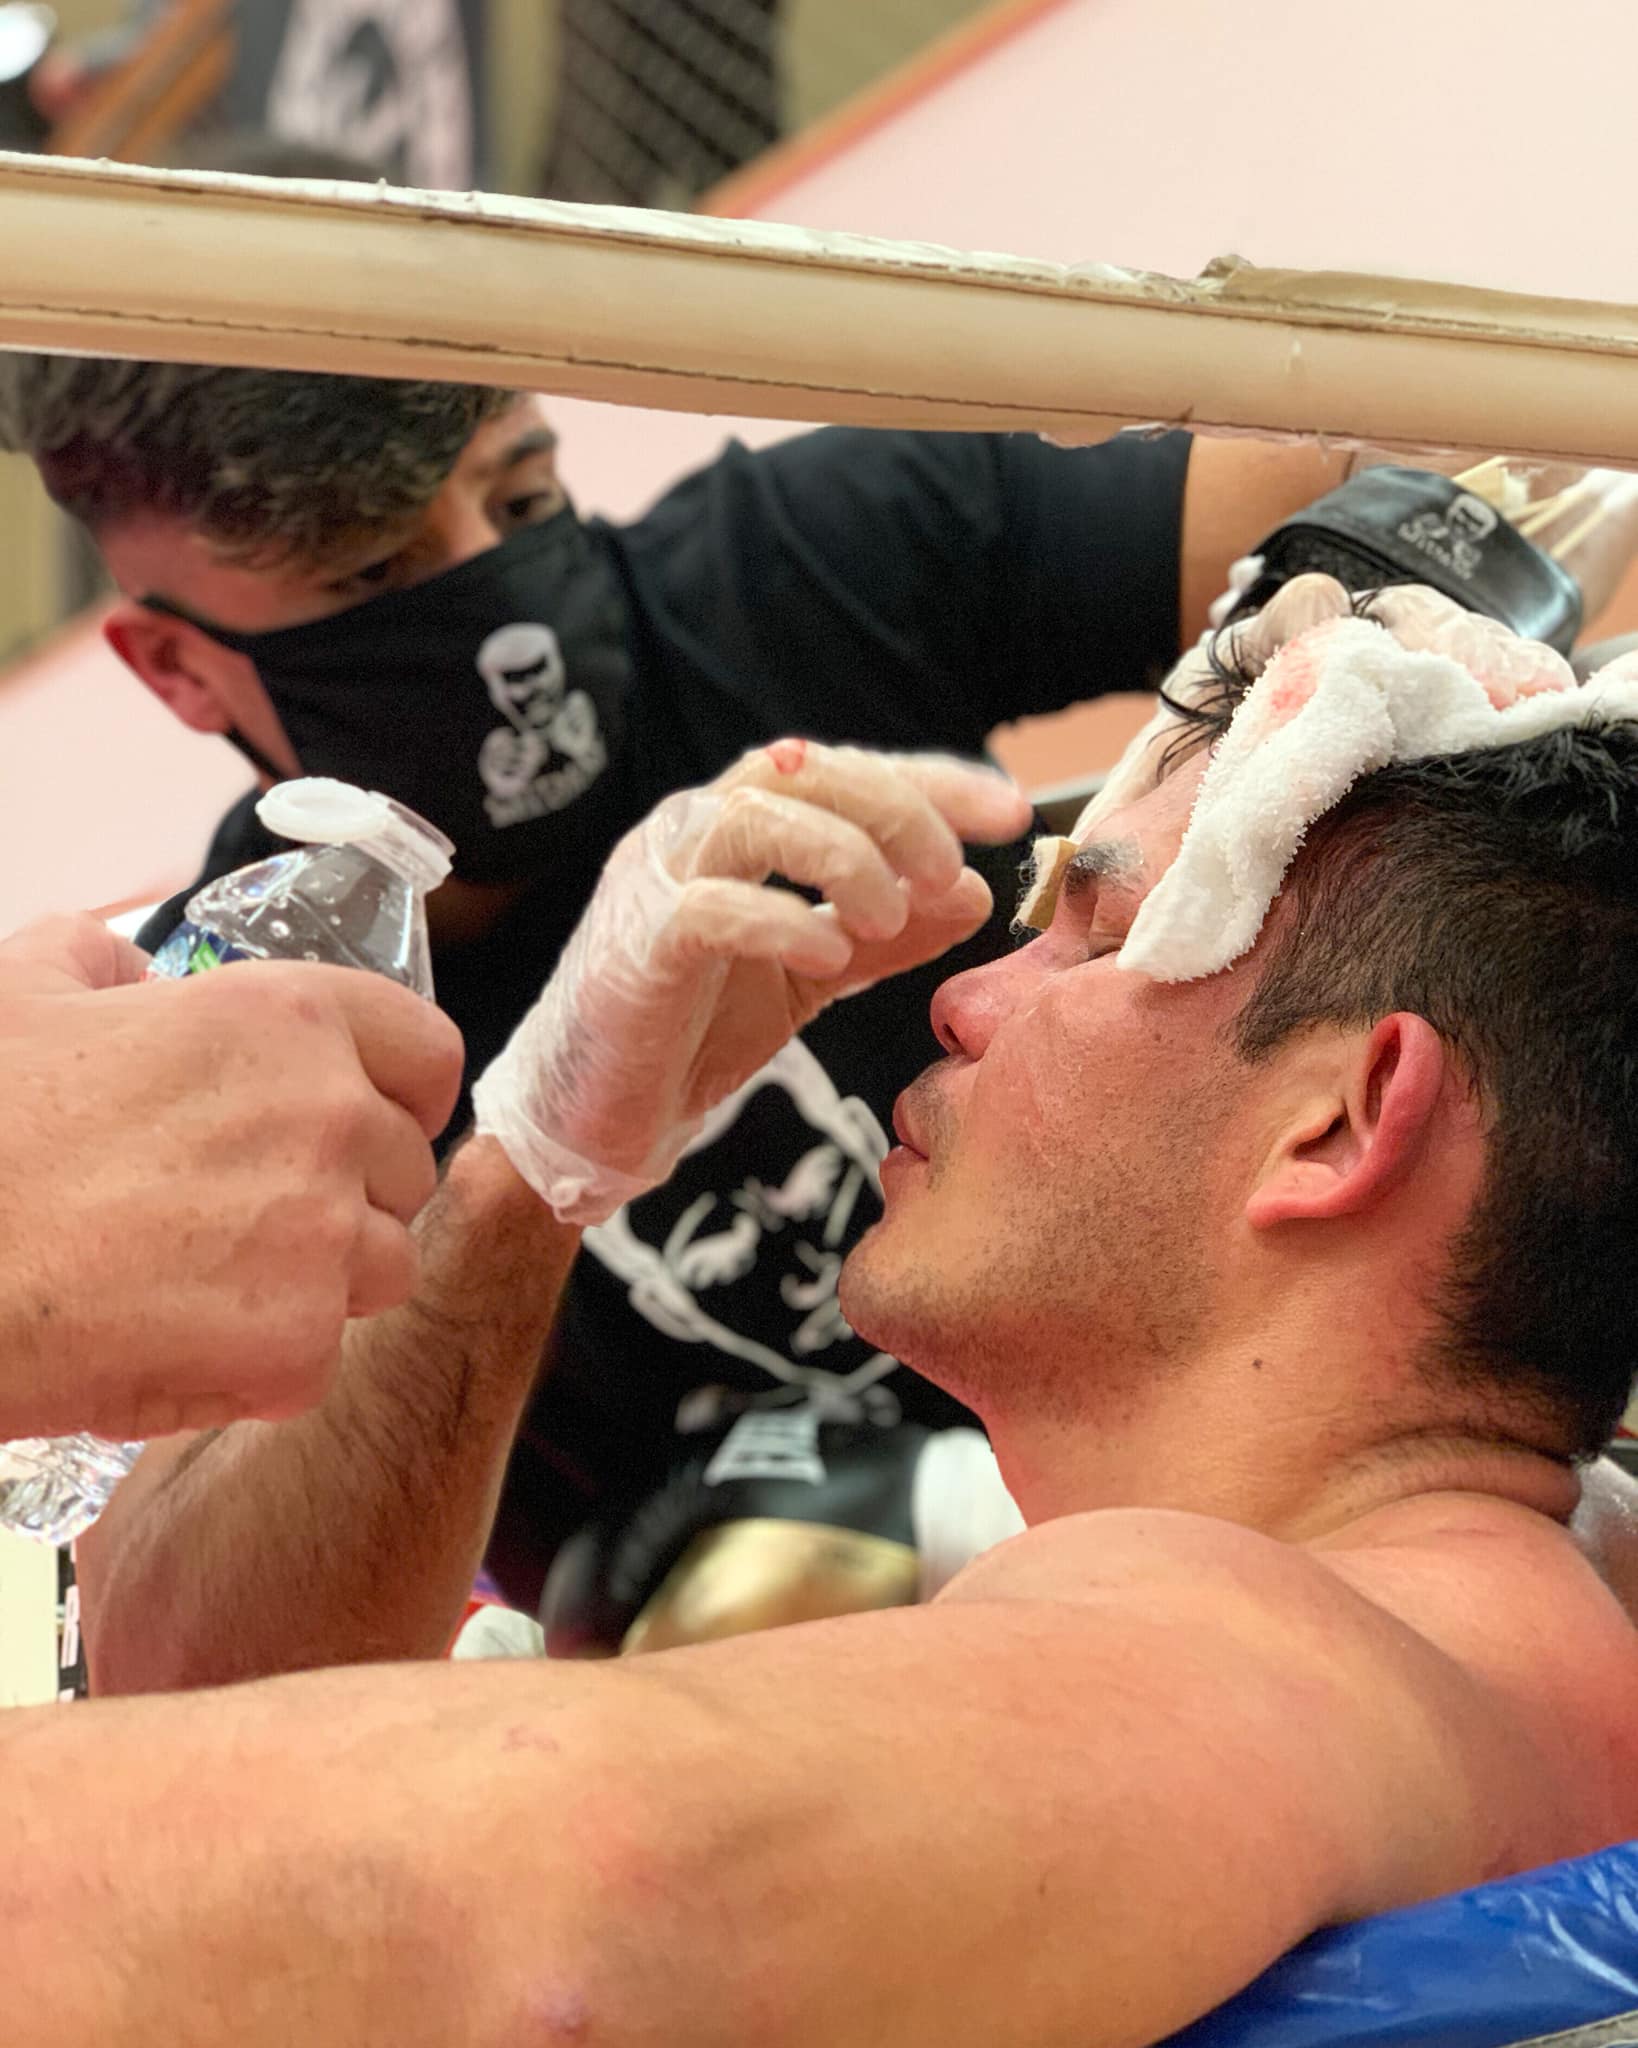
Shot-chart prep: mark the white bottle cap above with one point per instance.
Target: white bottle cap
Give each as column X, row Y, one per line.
column 316, row 810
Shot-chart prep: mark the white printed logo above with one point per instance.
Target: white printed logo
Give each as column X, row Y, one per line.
column 383, row 79
column 719, row 1241
column 550, row 750
column 781, row 1443
column 1455, row 537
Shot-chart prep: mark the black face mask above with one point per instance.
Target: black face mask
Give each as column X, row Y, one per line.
column 492, row 699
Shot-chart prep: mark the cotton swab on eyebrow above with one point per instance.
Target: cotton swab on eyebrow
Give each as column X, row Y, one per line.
column 1050, row 857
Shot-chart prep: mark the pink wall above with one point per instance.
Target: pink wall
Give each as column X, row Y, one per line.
column 1481, row 140
column 1486, row 142
column 106, row 796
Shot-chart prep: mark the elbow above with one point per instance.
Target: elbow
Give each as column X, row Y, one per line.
column 616, row 1919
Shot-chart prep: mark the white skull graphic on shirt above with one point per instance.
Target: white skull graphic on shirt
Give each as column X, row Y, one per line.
column 550, row 750
column 802, row 1220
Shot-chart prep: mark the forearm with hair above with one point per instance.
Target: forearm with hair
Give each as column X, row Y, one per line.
column 351, row 1535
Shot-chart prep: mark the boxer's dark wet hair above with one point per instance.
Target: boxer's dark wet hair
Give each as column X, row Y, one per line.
column 271, row 468
column 1206, row 718
column 1495, row 893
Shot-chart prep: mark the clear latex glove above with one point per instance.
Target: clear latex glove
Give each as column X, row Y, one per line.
column 1593, row 531
column 1419, row 618
column 689, row 970
column 1428, row 622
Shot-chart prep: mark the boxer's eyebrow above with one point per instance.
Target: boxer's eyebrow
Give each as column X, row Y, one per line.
column 1106, row 866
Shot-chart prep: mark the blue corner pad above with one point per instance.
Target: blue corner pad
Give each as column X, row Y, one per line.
column 1551, row 1955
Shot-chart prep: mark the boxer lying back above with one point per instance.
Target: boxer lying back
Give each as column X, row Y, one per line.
column 1280, row 1230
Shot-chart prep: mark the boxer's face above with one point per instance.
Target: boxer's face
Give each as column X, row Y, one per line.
column 1061, row 1169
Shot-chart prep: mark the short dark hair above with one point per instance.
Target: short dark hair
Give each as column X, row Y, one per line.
column 1495, row 893
column 268, row 466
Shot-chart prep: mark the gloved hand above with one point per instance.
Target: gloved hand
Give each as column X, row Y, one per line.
column 1586, row 520
column 1249, row 645
column 1419, row 618
column 689, row 970
column 1426, row 621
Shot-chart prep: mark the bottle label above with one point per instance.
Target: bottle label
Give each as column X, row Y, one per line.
column 191, row 949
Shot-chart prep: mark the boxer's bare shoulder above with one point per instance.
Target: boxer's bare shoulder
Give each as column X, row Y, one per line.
column 1541, row 1617
column 1508, row 1637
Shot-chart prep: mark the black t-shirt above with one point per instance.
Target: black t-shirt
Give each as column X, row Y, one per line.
column 894, row 589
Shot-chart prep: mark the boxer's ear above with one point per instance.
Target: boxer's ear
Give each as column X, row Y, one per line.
column 1356, row 1125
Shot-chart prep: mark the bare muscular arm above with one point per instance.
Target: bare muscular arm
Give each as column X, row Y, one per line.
column 1237, row 490
column 353, row 1533
column 1086, row 1797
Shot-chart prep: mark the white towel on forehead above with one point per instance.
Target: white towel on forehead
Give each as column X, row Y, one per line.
column 1337, row 701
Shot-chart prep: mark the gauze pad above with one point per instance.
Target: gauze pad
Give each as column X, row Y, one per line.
column 1340, row 699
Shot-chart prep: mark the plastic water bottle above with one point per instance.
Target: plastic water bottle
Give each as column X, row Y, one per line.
column 354, row 895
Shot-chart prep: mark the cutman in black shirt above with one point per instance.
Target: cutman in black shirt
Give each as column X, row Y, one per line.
column 385, row 582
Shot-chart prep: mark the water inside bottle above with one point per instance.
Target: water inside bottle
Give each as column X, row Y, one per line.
column 54, row 1488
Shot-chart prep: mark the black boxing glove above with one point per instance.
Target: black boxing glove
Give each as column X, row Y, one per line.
column 1391, row 525
column 780, row 1517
